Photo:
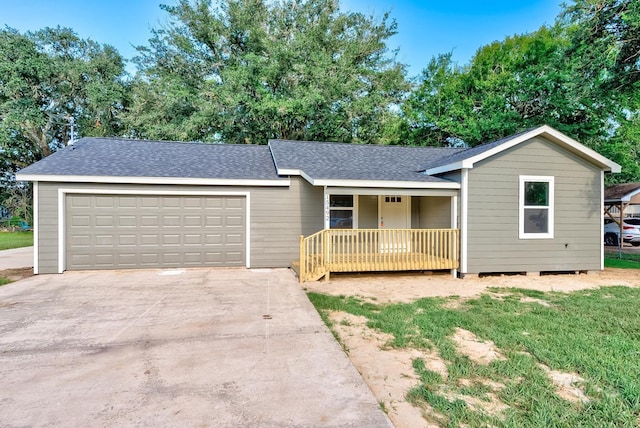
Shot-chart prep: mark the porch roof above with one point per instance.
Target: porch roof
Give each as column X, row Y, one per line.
column 331, row 163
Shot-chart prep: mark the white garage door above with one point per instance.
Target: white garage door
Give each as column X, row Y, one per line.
column 149, row 231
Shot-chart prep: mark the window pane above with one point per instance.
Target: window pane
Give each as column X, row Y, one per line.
column 536, row 220
column 536, row 193
column 341, row 219
column 341, row 201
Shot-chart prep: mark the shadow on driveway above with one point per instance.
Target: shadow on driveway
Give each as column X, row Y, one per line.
column 201, row 347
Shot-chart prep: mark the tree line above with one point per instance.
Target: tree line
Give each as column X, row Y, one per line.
column 245, row 71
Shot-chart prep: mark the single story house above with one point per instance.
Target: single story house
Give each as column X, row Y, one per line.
column 531, row 202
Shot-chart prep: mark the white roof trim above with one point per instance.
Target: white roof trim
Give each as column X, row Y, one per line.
column 386, row 184
column 370, row 183
column 151, row 180
column 546, row 131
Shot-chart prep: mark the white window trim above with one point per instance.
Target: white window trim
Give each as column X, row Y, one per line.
column 328, row 208
column 521, row 207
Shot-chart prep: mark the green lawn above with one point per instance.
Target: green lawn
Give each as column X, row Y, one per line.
column 10, row 240
column 621, row 263
column 593, row 333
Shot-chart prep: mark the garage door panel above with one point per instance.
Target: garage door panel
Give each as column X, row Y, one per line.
column 234, row 239
column 127, row 221
column 213, row 221
column 149, row 221
column 102, row 260
column 193, row 203
column 193, row 240
column 171, row 221
column 129, row 231
column 213, row 239
column 150, row 259
column 104, row 221
column 149, row 202
column 81, row 202
column 105, row 202
column 128, row 240
column 80, row 241
column 127, row 259
column 192, row 221
column 150, row 240
column 126, row 201
column 80, row 221
column 104, row 241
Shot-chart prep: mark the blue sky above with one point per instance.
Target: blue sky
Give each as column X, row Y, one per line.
column 425, row 28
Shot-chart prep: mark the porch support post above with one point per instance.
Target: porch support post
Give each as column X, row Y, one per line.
column 454, row 225
column 326, row 208
column 464, row 208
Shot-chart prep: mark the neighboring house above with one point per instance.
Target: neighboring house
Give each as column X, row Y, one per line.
column 531, row 202
column 622, row 197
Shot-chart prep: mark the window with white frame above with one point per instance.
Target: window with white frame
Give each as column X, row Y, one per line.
column 536, row 207
column 341, row 209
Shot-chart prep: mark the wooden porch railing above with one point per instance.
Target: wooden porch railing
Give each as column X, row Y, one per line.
column 369, row 250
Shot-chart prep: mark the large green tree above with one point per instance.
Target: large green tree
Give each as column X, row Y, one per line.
column 47, row 79
column 244, row 71
column 521, row 82
column 605, row 47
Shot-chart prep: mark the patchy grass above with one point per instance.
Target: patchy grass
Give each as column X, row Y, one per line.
column 4, row 280
column 592, row 335
column 621, row 263
column 10, row 240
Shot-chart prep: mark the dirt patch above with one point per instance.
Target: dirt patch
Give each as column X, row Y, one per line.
column 406, row 288
column 16, row 274
column 389, row 372
column 568, row 385
column 479, row 351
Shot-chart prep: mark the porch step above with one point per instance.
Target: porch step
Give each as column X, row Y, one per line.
column 316, row 275
column 295, row 266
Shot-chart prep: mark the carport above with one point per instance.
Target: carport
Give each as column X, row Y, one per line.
column 617, row 200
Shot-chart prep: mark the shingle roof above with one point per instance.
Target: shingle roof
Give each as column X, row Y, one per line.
column 117, row 157
column 619, row 191
column 471, row 152
column 338, row 161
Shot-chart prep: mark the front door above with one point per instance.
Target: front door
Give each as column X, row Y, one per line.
column 395, row 212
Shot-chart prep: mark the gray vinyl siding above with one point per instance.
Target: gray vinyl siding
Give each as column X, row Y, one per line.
column 435, row 212
column 367, row 212
column 278, row 216
column 493, row 212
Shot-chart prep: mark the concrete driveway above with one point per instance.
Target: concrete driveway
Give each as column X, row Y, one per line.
column 201, row 347
column 16, row 258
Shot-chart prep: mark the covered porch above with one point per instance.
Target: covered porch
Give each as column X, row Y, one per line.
column 374, row 230
column 375, row 250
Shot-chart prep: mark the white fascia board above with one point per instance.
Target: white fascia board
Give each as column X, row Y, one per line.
column 286, row 171
column 376, row 191
column 580, row 148
column 152, row 180
column 545, row 130
column 331, row 182
column 386, row 184
column 447, row 168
